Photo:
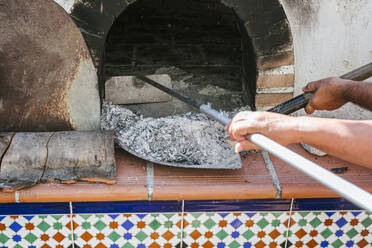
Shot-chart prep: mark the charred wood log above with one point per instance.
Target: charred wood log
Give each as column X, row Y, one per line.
column 31, row 158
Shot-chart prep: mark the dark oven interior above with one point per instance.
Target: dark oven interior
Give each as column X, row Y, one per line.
column 202, row 45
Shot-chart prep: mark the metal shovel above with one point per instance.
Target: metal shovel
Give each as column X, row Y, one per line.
column 287, row 107
column 351, row 192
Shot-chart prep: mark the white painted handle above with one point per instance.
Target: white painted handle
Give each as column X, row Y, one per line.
column 351, row 192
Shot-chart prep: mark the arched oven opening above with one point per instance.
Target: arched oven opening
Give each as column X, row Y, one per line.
column 202, row 45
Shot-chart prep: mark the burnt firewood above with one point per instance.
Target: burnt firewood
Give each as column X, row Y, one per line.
column 31, row 158
column 5, row 139
column 87, row 155
column 23, row 162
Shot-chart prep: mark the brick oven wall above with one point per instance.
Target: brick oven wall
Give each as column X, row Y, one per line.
column 265, row 22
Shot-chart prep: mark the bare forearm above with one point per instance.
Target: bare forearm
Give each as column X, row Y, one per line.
column 359, row 93
column 345, row 139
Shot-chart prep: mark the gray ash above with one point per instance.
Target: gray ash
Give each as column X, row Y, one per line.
column 189, row 140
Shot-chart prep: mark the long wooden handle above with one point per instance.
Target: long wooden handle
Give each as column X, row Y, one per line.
column 301, row 101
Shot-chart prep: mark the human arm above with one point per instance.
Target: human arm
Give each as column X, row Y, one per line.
column 332, row 93
column 345, row 139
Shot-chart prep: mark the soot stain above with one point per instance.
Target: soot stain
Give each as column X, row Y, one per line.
column 306, row 11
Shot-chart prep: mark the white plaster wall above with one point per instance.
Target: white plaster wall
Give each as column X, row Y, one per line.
column 331, row 37
column 66, row 4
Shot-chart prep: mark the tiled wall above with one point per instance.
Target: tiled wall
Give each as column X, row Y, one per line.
column 238, row 226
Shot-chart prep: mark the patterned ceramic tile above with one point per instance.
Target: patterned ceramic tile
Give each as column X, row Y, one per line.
column 331, row 229
column 233, row 230
column 127, row 230
column 35, row 231
column 244, row 229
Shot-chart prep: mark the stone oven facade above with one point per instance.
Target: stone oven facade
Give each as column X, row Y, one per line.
column 266, row 41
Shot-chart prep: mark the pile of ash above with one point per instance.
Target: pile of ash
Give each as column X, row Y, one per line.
column 188, row 140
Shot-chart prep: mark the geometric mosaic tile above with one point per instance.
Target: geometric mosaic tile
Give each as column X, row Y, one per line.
column 127, row 230
column 208, row 229
column 331, row 229
column 233, row 230
column 35, row 231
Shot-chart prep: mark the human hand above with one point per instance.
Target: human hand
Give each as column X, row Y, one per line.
column 328, row 94
column 280, row 128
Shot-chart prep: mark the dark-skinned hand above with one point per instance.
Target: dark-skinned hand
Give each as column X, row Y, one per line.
column 328, row 94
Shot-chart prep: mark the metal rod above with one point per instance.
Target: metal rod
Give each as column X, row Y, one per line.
column 351, row 192
column 170, row 91
column 301, row 101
